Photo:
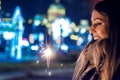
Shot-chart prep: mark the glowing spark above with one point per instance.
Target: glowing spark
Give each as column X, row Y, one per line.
column 47, row 52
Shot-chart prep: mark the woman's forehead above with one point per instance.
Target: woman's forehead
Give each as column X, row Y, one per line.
column 98, row 16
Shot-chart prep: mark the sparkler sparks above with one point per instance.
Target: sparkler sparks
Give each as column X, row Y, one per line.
column 47, row 54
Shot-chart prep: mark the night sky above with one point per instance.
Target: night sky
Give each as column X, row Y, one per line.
column 75, row 9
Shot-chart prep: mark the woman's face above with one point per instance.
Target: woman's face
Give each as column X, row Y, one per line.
column 100, row 24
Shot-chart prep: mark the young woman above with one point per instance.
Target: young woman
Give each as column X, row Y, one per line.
column 100, row 59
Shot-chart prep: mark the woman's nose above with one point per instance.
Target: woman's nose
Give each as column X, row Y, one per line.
column 91, row 30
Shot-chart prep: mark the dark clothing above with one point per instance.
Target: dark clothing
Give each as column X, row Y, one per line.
column 116, row 75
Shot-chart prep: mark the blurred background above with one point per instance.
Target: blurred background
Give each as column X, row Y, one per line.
column 42, row 39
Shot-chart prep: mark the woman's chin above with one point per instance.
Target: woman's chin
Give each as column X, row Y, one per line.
column 97, row 38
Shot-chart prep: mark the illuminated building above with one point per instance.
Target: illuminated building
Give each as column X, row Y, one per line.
column 16, row 46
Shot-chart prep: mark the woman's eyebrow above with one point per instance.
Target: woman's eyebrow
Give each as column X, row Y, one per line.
column 99, row 19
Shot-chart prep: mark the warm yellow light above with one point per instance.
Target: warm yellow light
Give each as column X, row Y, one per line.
column 30, row 21
column 31, row 38
column 74, row 37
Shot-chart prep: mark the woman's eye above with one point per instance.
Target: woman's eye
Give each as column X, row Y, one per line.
column 97, row 24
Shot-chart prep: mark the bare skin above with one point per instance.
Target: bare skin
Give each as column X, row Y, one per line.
column 100, row 25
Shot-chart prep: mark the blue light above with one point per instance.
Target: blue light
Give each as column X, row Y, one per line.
column 41, row 37
column 89, row 37
column 17, row 16
column 17, row 22
column 36, row 23
column 25, row 43
column 12, row 52
column 35, row 36
column 34, row 47
column 37, row 20
column 64, row 47
column 80, row 41
column 8, row 35
column 83, row 30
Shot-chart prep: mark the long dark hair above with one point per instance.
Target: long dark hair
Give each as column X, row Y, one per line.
column 112, row 59
column 109, row 46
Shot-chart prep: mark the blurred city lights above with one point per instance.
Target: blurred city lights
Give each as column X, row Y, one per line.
column 62, row 27
column 83, row 30
column 60, row 31
column 17, row 16
column 80, row 41
column 64, row 47
column 45, row 21
column 31, row 38
column 41, row 37
column 74, row 37
column 55, row 10
column 25, row 43
column 8, row 35
column 34, row 47
column 89, row 37
column 37, row 20
column 30, row 21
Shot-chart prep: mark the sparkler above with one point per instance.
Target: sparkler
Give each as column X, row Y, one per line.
column 47, row 53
